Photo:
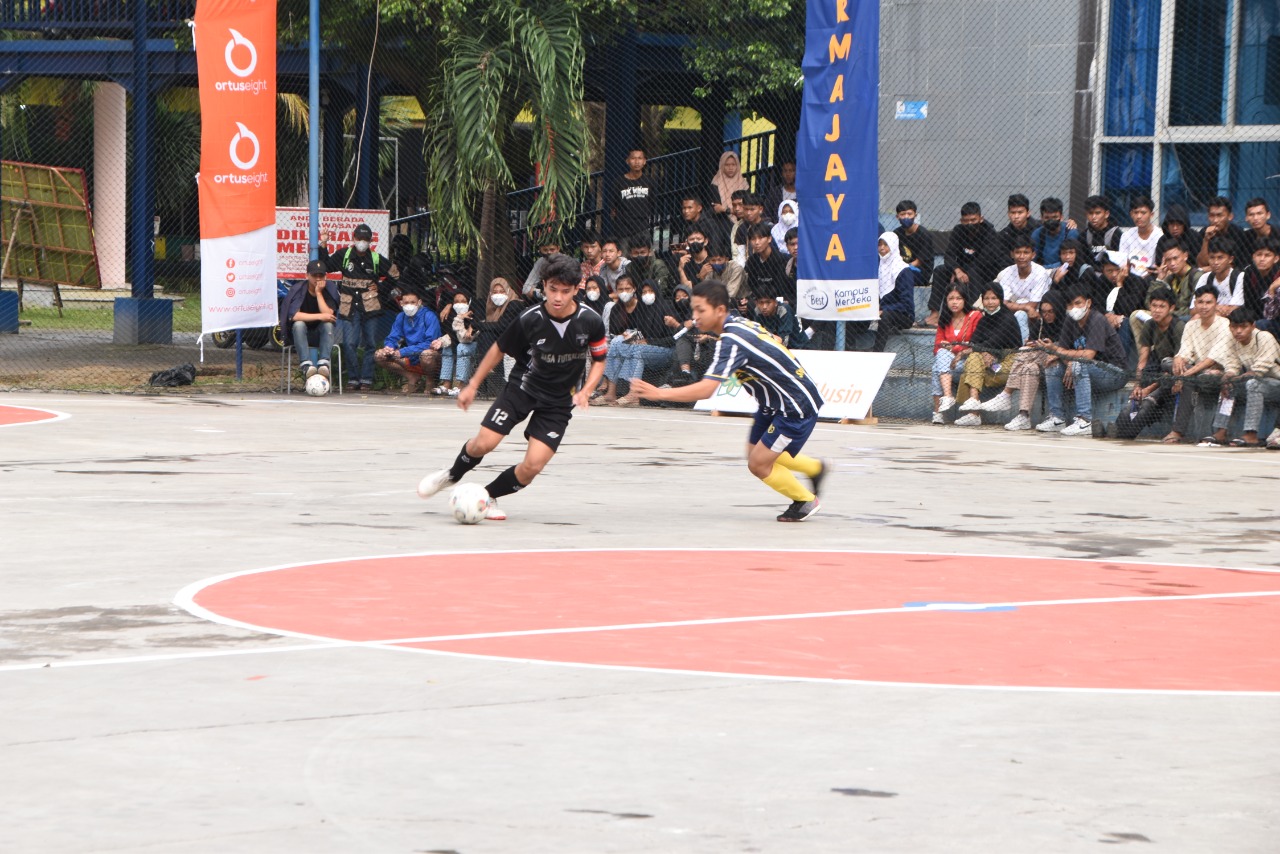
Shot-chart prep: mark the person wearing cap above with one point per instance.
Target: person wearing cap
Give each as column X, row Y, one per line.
column 308, row 313
column 363, row 316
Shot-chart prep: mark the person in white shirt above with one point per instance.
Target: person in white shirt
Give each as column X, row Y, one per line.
column 1229, row 282
column 1138, row 244
column 1025, row 283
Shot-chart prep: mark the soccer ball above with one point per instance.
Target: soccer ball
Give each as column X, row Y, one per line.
column 469, row 502
column 317, row 386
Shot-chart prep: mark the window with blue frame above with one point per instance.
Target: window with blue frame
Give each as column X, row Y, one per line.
column 1198, row 84
column 1132, row 58
column 1258, row 68
column 1126, row 173
column 1194, row 173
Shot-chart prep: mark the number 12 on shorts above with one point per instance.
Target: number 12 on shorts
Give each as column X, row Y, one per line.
column 499, row 417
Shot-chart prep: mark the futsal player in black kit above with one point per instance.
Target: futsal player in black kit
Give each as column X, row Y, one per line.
column 551, row 343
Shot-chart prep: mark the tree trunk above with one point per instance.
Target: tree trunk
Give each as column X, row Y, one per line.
column 496, row 254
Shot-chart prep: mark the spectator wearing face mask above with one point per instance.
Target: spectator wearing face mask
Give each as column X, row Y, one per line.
column 361, row 301
column 1048, row 237
column 1089, row 359
column 458, row 355
column 594, row 294
column 788, row 218
column 989, row 357
column 689, row 349
column 644, row 266
column 412, row 347
column 914, row 241
column 965, row 261
column 501, row 311
column 639, row 338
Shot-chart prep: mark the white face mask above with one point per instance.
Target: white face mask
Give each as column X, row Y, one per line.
column 410, row 310
column 625, row 296
column 460, row 307
column 499, row 299
column 788, row 219
column 593, row 295
column 1077, row 314
column 362, row 245
column 649, row 299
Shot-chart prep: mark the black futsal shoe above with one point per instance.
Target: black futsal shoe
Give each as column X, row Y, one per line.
column 799, row 511
column 816, row 480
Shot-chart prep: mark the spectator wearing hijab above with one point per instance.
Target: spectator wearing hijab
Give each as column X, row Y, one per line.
column 897, row 281
column 500, row 311
column 788, row 218
column 727, row 180
column 1029, row 363
column 990, row 356
column 594, row 294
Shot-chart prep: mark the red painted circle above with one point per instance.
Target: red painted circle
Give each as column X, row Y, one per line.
column 1063, row 623
column 22, row 415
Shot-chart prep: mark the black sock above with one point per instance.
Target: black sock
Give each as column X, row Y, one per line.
column 505, row 484
column 463, row 464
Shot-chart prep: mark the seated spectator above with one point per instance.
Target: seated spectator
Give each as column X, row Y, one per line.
column 1228, row 281
column 727, row 181
column 990, row 354
column 1261, row 276
column 309, row 312
column 1101, row 232
column 1271, row 299
column 592, row 258
column 1089, row 345
column 1021, row 225
column 1073, row 267
column 458, row 354
column 1138, row 244
column 693, row 217
column 1178, row 276
column 915, row 241
column 1205, row 354
column 438, row 298
column 752, row 214
column 1125, row 300
column 612, row 264
column 793, row 251
column 548, row 245
column 783, row 187
column 1159, row 340
column 897, row 281
column 644, row 266
column 964, row 262
column 689, row 351
column 1257, row 213
column 788, row 218
column 781, row 320
column 1049, row 236
column 594, row 295
column 738, row 232
column 950, row 347
column 720, row 266
column 1254, row 377
column 767, row 268
column 502, row 310
column 638, row 339
column 1025, row 283
column 412, row 348
column 1177, row 229
column 1029, row 363
column 1221, row 226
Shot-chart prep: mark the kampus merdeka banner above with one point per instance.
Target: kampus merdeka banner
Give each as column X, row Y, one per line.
column 236, row 61
column 837, row 180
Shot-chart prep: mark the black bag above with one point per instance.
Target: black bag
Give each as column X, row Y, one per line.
column 181, row 375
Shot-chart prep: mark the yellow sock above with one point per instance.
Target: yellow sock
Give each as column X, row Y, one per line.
column 783, row 481
column 807, row 466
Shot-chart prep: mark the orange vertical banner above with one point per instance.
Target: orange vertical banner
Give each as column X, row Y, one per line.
column 236, row 60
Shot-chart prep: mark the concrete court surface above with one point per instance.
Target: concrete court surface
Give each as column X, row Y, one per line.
column 130, row 725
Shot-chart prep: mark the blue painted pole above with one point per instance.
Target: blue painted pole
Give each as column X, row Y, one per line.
column 239, row 354
column 839, row 336
column 313, row 126
column 141, row 176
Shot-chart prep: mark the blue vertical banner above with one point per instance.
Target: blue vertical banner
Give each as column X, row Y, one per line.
column 837, row 169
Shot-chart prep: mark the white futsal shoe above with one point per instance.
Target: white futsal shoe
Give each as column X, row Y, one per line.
column 433, row 483
column 493, row 513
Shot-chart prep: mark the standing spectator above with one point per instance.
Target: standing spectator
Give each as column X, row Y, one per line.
column 990, row 356
column 767, row 268
column 612, row 265
column 1221, row 226
column 738, row 233
column 1159, row 339
column 783, row 187
column 1030, row 362
column 1205, row 354
column 644, row 266
column 1228, row 281
column 1090, row 358
column 780, row 320
column 1138, row 244
column 634, row 200
column 1255, row 377
column 1025, row 283
column 964, row 262
column 308, row 312
column 501, row 312
column 1049, row 236
column 592, row 259
column 1177, row 229
column 1177, row 274
column 727, row 181
column 950, row 345
column 1261, row 276
column 897, row 282
column 412, row 347
column 1258, row 215
column 788, row 218
column 1101, row 233
column 457, row 356
column 915, row 241
column 361, row 303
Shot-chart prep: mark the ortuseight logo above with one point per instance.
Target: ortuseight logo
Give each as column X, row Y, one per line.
column 816, row 298
column 237, row 39
column 243, row 134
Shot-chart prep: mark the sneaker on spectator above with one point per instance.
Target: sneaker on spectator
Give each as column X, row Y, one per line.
column 971, row 405
column 938, row 419
column 455, row 391
column 323, row 369
column 946, row 403
column 440, row 391
column 973, row 419
column 1021, row 421
column 1079, row 427
column 1052, row 424
column 492, row 513
column 1002, row 402
column 433, row 483
column 308, row 370
column 1273, row 441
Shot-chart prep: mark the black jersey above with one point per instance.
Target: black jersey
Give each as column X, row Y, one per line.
column 550, row 353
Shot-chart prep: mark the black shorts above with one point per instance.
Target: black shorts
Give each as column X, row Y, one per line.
column 547, row 422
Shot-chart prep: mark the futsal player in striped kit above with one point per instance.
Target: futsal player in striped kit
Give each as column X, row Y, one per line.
column 789, row 401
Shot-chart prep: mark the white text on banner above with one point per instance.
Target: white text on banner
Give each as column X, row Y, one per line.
column 849, row 382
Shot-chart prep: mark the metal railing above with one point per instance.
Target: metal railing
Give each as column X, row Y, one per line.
column 100, row 16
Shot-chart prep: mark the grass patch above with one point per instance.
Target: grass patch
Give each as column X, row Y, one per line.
column 186, row 316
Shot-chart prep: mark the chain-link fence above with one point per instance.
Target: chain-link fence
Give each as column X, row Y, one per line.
column 490, row 134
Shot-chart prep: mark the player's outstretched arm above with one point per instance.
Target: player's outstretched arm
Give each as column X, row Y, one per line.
column 685, row 394
column 582, row 398
column 487, row 364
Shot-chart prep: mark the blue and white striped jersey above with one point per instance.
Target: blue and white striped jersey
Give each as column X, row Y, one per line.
column 748, row 353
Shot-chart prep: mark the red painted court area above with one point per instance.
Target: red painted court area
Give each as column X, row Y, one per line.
column 906, row 618
column 11, row 416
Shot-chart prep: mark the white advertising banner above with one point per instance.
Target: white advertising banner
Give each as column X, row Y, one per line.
column 293, row 233
column 849, row 382
column 838, row 299
column 238, row 281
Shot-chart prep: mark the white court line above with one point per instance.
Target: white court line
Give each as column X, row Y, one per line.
column 57, row 416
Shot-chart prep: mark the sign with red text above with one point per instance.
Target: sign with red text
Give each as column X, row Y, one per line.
column 848, row 383
column 837, row 170
column 236, row 63
column 293, row 235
